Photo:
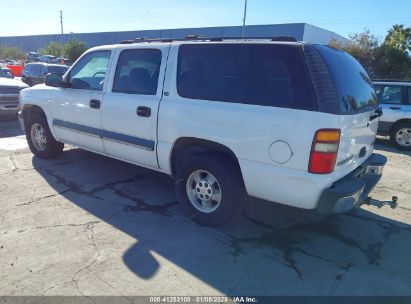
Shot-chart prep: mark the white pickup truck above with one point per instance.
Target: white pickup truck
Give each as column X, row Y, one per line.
column 276, row 119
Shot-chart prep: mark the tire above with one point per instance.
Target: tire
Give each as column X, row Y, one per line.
column 49, row 147
column 400, row 136
column 228, row 187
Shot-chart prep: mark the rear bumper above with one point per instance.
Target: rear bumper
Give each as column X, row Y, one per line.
column 354, row 188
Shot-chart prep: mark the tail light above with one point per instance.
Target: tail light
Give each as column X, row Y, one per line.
column 324, row 151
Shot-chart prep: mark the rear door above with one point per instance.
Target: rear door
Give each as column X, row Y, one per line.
column 129, row 116
column 392, row 99
column 357, row 109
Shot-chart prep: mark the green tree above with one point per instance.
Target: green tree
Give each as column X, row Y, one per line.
column 389, row 60
column 363, row 47
column 53, row 48
column 73, row 49
column 398, row 37
column 14, row 53
column 392, row 63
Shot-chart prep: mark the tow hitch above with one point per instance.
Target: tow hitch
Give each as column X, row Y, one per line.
column 369, row 201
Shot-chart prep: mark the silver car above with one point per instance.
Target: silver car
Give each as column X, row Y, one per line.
column 9, row 96
column 395, row 99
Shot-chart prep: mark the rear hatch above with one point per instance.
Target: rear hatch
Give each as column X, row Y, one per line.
column 350, row 94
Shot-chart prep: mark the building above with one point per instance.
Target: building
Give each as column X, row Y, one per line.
column 301, row 31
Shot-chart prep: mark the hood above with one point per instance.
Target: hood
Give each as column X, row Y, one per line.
column 8, row 82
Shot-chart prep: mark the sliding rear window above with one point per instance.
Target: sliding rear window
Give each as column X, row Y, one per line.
column 354, row 88
column 259, row 74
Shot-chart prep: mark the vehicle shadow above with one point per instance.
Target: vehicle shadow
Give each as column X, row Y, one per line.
column 384, row 144
column 269, row 250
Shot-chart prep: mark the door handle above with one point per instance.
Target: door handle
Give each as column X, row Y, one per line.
column 144, row 111
column 395, row 108
column 95, row 104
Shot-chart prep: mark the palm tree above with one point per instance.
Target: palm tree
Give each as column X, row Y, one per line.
column 399, row 36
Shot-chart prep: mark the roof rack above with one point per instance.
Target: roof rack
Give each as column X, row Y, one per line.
column 390, row 80
column 206, row 38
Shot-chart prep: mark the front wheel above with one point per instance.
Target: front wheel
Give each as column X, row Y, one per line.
column 401, row 136
column 210, row 188
column 41, row 141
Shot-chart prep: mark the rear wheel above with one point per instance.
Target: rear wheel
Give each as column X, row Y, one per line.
column 41, row 141
column 210, row 188
column 400, row 136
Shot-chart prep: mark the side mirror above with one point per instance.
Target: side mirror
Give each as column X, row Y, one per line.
column 54, row 80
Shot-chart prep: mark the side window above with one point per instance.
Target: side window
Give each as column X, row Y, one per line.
column 27, row 69
column 44, row 70
column 90, row 72
column 36, row 70
column 259, row 74
column 389, row 94
column 137, row 72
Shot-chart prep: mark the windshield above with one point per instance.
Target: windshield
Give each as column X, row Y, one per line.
column 5, row 73
column 354, row 87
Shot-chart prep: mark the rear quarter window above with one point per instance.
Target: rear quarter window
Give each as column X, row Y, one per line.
column 354, row 87
column 260, row 74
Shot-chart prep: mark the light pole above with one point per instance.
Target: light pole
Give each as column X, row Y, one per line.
column 61, row 21
column 244, row 18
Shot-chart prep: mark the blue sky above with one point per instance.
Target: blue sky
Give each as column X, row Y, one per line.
column 343, row 16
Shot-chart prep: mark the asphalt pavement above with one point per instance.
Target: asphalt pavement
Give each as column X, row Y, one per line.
column 84, row 224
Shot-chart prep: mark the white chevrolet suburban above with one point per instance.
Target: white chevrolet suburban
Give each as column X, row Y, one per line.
column 275, row 119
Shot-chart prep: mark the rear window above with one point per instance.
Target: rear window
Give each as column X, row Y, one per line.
column 354, row 88
column 57, row 69
column 259, row 74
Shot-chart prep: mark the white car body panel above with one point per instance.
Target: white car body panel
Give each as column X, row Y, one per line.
column 247, row 130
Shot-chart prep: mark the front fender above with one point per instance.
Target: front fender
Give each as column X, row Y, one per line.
column 38, row 96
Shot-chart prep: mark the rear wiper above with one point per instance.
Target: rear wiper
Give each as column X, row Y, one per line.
column 378, row 113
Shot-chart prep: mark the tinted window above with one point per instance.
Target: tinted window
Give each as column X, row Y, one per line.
column 409, row 95
column 57, row 69
column 27, row 69
column 137, row 72
column 261, row 74
column 354, row 88
column 89, row 73
column 36, row 70
column 389, row 94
